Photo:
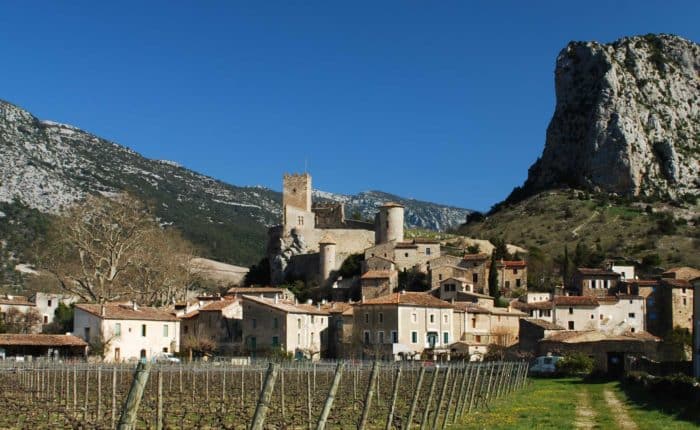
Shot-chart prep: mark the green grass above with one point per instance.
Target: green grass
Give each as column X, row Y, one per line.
column 551, row 404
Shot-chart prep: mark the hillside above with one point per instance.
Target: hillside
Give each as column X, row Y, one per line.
column 627, row 120
column 46, row 166
column 620, row 229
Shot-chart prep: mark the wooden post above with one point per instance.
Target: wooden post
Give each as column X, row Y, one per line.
column 265, row 396
column 475, row 385
column 308, row 397
column 114, row 395
column 75, row 388
column 98, row 418
column 429, row 400
column 461, row 396
column 445, row 383
column 449, row 401
column 284, row 415
column 328, row 404
column 127, row 420
column 416, row 395
column 87, row 393
column 370, row 393
column 159, row 405
column 394, row 394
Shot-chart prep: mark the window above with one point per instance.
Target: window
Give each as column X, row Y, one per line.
column 118, row 329
column 414, row 337
column 592, row 316
column 165, row 349
column 440, row 277
column 414, row 317
column 313, row 319
column 515, row 271
column 445, row 338
column 478, row 338
column 432, row 318
column 366, row 318
column 143, row 330
column 87, row 333
column 394, row 337
column 444, row 318
column 143, row 353
column 473, row 322
column 571, row 310
column 275, row 323
column 46, row 319
column 185, row 329
column 507, row 284
column 366, row 336
column 381, row 317
column 300, row 220
column 254, row 322
column 571, row 325
column 49, row 301
column 630, row 302
column 427, row 251
column 380, row 337
column 632, row 329
column 298, row 338
column 601, row 317
column 631, row 315
column 546, row 313
column 298, row 322
column 275, row 341
column 682, row 291
column 405, row 254
column 685, row 301
column 165, row 330
column 517, row 283
column 606, row 284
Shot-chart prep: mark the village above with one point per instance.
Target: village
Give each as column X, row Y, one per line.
column 608, row 313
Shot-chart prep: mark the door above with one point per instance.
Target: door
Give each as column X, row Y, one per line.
column 432, row 339
column 616, row 364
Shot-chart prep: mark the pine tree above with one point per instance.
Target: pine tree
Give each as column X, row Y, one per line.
column 494, row 291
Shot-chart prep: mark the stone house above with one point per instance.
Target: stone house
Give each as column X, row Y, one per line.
column 376, row 283
column 532, row 330
column 472, row 267
column 271, row 325
column 650, row 291
column 576, row 312
column 19, row 308
column 340, row 329
column 477, row 327
column 219, row 321
column 378, row 263
column 537, row 310
column 609, row 314
column 47, row 303
column 403, row 325
column 593, row 282
column 129, row 331
column 512, row 274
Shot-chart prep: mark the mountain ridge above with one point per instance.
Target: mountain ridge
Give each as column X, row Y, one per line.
column 49, row 165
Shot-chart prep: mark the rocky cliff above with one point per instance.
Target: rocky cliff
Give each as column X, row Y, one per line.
column 627, row 119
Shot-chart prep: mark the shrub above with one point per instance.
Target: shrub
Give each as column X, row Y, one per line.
column 575, row 364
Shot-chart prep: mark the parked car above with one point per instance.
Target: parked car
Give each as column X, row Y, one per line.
column 166, row 357
column 545, row 364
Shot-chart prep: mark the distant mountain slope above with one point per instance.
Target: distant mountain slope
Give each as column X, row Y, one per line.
column 48, row 166
column 627, row 120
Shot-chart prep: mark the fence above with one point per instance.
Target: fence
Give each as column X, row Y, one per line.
column 341, row 395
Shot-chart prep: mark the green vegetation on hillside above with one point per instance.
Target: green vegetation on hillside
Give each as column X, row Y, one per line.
column 655, row 233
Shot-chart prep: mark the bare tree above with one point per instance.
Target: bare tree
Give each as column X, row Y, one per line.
column 17, row 321
column 112, row 249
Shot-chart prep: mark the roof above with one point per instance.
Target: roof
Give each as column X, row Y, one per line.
column 287, row 306
column 596, row 272
column 475, row 257
column 454, row 278
column 409, row 299
column 425, row 240
column 471, row 308
column 575, row 301
column 376, row 274
column 15, row 300
column 381, row 258
column 517, row 304
column 692, row 272
column 218, row 305
column 472, row 294
column 513, row 263
column 256, row 290
column 327, row 239
column 392, row 205
column 125, row 311
column 676, row 283
column 41, row 340
column 343, row 308
column 189, row 315
column 641, row 282
column 597, row 336
column 507, row 312
column 405, row 245
column 543, row 324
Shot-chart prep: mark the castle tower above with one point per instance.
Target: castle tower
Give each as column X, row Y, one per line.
column 296, row 197
column 390, row 223
column 327, row 256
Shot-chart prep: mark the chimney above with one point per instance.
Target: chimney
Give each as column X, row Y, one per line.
column 134, row 306
column 277, row 298
column 102, row 310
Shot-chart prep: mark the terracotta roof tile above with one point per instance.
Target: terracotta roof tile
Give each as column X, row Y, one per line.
column 475, row 257
column 597, row 336
column 517, row 304
column 218, row 305
column 595, row 271
column 575, row 301
column 15, row 300
column 543, row 324
column 409, row 299
column 40, row 340
column 513, row 263
column 676, row 283
column 287, row 306
column 125, row 311
column 376, row 274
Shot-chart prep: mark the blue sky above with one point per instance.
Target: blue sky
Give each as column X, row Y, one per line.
column 443, row 101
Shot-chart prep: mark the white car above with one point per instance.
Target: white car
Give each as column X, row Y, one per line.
column 166, row 357
column 545, row 364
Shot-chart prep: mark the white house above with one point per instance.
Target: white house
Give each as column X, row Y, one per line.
column 609, row 314
column 47, row 303
column 130, row 331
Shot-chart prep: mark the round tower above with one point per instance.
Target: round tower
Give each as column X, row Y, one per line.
column 390, row 223
column 326, row 256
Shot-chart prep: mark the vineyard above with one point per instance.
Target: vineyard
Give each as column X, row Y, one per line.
column 343, row 395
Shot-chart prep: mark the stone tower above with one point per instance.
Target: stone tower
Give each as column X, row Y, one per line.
column 327, row 256
column 389, row 223
column 296, row 194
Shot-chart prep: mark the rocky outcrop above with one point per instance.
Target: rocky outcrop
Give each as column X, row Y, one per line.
column 627, row 119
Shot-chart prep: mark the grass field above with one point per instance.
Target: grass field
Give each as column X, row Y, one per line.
column 574, row 404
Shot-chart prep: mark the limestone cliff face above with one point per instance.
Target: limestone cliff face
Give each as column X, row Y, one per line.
column 627, row 118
